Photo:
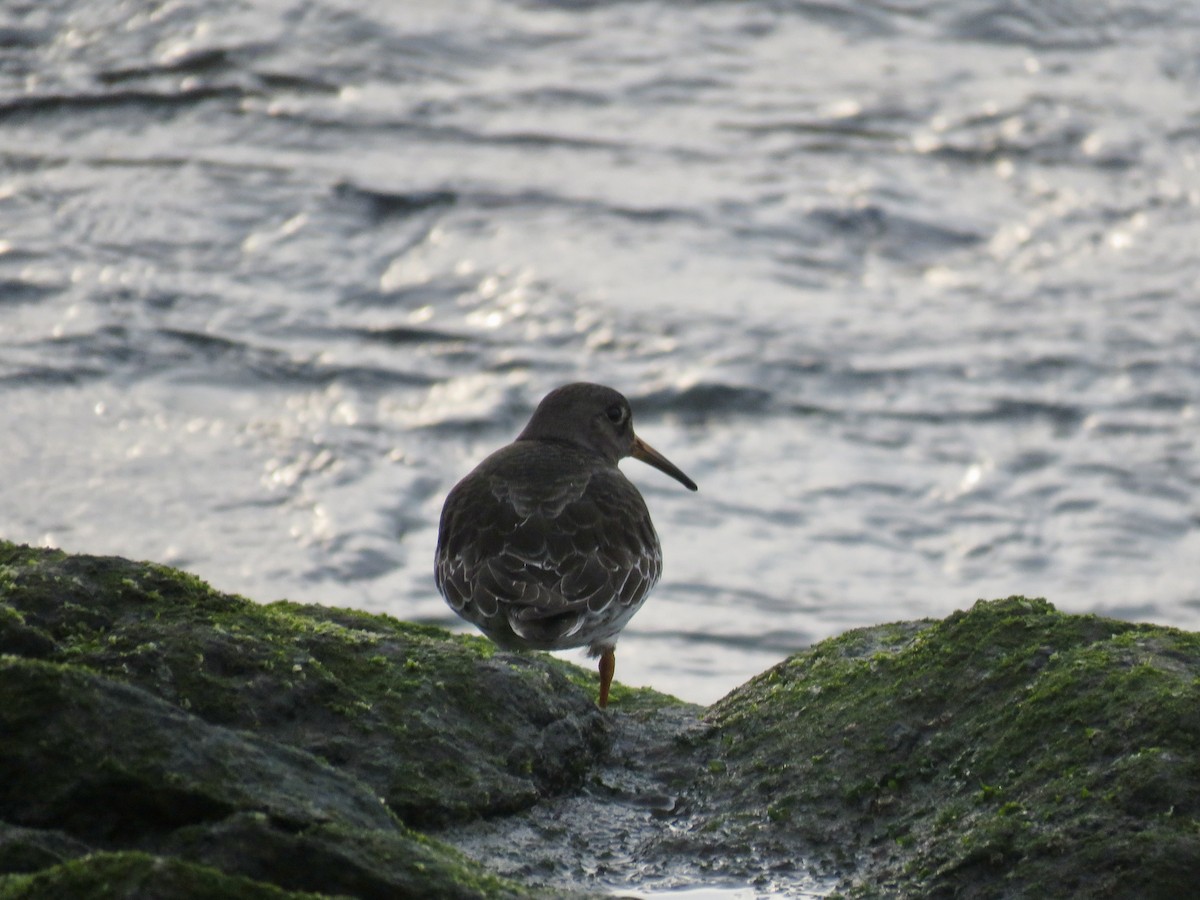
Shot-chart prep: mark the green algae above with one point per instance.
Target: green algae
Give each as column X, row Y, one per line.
column 141, row 709
column 441, row 726
column 1010, row 746
column 1006, row 751
column 103, row 876
column 111, row 762
column 113, row 766
column 335, row 859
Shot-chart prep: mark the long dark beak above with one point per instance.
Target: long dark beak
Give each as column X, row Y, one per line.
column 647, row 454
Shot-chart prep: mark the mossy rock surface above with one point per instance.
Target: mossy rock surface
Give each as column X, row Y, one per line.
column 33, row 849
column 135, row 876
column 1006, row 751
column 107, row 761
column 158, row 738
column 439, row 726
column 278, row 746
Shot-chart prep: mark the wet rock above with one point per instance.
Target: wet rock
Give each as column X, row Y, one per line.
column 101, row 876
column 109, row 762
column 1006, row 751
column 31, row 849
column 439, row 726
column 158, row 738
column 374, row 864
column 160, row 717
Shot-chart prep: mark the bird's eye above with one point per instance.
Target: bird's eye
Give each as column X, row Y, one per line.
column 617, row 414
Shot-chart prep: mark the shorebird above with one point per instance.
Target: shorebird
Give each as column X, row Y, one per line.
column 546, row 545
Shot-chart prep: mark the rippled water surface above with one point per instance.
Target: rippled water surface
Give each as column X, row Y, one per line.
column 909, row 288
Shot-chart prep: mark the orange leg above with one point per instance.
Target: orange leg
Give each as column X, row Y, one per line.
column 608, row 665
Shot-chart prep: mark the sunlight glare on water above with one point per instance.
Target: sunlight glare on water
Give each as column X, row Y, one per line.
column 908, row 290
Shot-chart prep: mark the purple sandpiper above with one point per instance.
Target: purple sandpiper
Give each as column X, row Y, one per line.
column 546, row 545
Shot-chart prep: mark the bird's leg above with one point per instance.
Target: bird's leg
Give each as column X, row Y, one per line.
column 608, row 665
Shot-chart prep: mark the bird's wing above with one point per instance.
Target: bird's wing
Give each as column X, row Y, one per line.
column 558, row 546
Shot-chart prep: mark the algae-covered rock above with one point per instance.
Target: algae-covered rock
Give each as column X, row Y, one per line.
column 150, row 713
column 378, row 864
column 1007, row 751
column 31, row 849
column 105, row 876
column 437, row 725
column 108, row 761
column 161, row 739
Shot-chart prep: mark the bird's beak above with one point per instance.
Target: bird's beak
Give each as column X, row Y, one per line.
column 647, row 454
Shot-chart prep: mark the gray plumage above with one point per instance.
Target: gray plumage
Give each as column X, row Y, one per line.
column 546, row 545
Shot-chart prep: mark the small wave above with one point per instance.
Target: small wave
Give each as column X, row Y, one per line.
column 1046, row 136
column 51, row 376
column 200, row 61
column 13, row 37
column 776, row 641
column 700, row 401
column 546, row 200
column 1063, row 415
column 1080, row 25
column 228, row 61
column 896, row 235
column 185, row 356
column 17, row 291
column 860, row 490
column 52, row 104
column 1074, row 505
column 400, row 335
column 381, row 205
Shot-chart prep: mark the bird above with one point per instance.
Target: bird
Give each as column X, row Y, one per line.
column 546, row 545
